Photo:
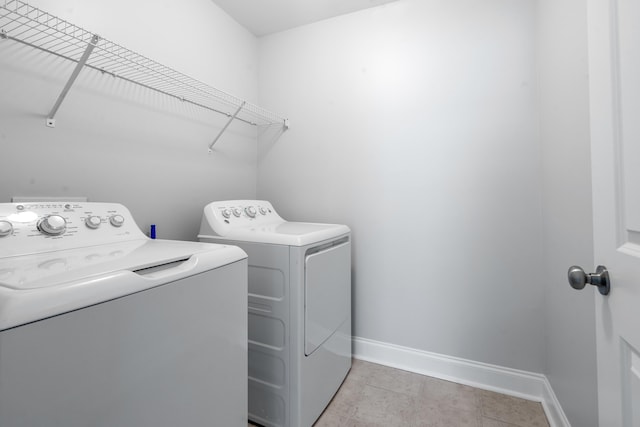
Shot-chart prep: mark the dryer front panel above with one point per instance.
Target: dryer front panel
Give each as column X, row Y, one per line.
column 327, row 292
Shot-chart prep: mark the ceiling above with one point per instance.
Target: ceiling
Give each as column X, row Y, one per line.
column 263, row 17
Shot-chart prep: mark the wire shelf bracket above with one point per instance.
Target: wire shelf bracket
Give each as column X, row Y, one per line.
column 51, row 121
column 225, row 127
column 38, row 29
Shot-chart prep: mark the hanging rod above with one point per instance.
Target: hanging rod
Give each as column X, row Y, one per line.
column 34, row 27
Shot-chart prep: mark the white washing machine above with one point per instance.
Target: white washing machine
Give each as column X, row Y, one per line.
column 101, row 326
column 299, row 308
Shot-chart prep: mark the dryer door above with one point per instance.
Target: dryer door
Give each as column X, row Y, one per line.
column 327, row 293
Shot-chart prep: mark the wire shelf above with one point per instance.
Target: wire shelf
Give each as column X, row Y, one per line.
column 36, row 28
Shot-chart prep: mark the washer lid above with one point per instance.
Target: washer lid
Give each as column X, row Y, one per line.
column 34, row 287
column 257, row 221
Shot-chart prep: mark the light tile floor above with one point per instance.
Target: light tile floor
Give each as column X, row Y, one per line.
column 374, row 396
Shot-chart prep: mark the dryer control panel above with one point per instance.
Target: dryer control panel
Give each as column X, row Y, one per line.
column 35, row 227
column 256, row 221
column 241, row 213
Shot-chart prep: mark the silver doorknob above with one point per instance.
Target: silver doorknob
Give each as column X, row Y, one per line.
column 578, row 278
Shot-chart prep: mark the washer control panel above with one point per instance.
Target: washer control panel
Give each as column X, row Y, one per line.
column 45, row 226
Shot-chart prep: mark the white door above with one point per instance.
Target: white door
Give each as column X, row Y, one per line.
column 614, row 73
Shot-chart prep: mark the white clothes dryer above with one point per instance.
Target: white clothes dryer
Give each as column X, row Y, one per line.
column 299, row 308
column 101, row 326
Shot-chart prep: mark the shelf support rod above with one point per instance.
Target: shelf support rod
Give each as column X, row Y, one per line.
column 51, row 121
column 226, row 126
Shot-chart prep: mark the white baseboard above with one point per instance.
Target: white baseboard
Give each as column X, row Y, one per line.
column 513, row 382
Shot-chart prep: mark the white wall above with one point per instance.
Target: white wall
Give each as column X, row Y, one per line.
column 117, row 142
column 415, row 123
column 564, row 137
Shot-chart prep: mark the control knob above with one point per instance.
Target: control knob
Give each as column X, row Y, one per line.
column 250, row 211
column 53, row 225
column 226, row 213
column 263, row 211
column 116, row 220
column 93, row 222
column 237, row 212
column 5, row 228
